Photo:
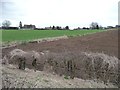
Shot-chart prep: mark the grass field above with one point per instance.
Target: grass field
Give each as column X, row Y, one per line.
column 25, row 35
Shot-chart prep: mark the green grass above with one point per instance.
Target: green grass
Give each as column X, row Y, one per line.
column 0, row 35
column 25, row 35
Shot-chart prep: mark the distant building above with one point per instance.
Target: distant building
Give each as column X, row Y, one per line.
column 110, row 27
column 48, row 28
column 117, row 26
column 77, row 28
column 29, row 26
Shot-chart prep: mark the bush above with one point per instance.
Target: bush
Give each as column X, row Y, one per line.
column 85, row 65
column 80, row 64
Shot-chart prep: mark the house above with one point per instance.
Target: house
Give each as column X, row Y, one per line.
column 29, row 26
column 110, row 27
column 117, row 26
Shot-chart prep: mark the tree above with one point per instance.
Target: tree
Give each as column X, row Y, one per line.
column 67, row 27
column 20, row 24
column 58, row 28
column 94, row 25
column 53, row 27
column 97, row 27
column 6, row 23
column 100, row 27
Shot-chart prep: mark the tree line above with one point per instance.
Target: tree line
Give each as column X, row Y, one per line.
column 6, row 25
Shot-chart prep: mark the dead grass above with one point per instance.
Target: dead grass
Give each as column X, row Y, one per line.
column 84, row 65
column 15, row 78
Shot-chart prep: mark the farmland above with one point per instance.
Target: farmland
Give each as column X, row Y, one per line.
column 25, row 35
column 89, row 58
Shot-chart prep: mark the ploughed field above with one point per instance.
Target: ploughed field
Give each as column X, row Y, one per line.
column 102, row 42
column 89, row 57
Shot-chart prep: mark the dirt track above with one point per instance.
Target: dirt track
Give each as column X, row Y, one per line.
column 105, row 42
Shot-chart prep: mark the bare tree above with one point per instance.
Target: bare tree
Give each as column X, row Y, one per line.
column 100, row 27
column 94, row 25
column 6, row 23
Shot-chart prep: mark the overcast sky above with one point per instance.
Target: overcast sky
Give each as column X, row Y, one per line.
column 74, row 13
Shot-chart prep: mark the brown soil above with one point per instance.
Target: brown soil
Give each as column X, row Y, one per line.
column 103, row 42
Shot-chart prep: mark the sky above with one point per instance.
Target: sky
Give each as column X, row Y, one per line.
column 74, row 13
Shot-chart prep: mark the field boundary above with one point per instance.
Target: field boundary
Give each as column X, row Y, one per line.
column 15, row 43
